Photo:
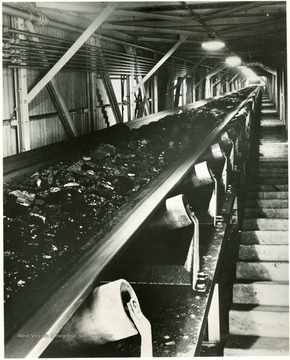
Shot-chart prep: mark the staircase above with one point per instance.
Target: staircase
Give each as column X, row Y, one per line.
column 259, row 317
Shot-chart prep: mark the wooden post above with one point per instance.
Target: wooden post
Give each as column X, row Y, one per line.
column 208, row 89
column 92, row 92
column 155, row 94
column 199, row 84
column 183, row 92
column 131, row 97
column 21, row 95
column 177, row 95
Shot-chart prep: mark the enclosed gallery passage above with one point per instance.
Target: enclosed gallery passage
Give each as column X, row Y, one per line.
column 145, row 179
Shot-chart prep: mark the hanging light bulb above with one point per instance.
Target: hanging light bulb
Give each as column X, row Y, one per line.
column 233, row 61
column 213, row 44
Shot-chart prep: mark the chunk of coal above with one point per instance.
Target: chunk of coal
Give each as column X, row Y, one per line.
column 103, row 151
column 123, row 184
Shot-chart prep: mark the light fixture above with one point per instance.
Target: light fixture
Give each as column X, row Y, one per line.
column 213, row 44
column 233, row 61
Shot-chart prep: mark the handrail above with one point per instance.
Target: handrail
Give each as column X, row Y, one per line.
column 52, row 316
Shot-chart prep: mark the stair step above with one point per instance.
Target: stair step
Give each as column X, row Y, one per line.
column 260, row 320
column 267, row 204
column 276, row 143
column 266, row 213
column 282, row 165
column 273, row 172
column 262, row 293
column 262, row 271
column 264, row 237
column 264, row 180
column 269, row 159
column 268, row 187
column 263, row 252
column 265, row 224
column 283, row 195
column 256, row 346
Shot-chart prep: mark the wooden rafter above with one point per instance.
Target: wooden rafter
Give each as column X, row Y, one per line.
column 237, row 9
column 153, row 30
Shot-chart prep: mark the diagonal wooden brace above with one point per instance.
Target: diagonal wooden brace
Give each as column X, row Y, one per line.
column 71, row 51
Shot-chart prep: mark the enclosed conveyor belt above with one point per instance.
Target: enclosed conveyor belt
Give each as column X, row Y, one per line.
column 32, row 336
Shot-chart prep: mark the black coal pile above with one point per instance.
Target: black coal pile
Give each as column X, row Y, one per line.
column 48, row 215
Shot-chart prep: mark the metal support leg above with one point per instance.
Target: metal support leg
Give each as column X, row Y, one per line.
column 193, row 261
column 212, row 208
column 143, row 326
column 225, row 174
column 214, row 317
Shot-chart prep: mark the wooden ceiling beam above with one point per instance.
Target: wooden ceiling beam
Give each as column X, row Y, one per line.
column 265, row 23
column 236, row 9
column 161, row 24
column 149, row 15
column 236, row 20
column 108, row 26
column 251, row 35
column 168, row 40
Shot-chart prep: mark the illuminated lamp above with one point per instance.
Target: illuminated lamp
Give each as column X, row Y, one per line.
column 213, row 44
column 233, row 61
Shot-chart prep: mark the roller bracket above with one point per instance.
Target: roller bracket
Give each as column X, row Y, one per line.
column 202, row 281
column 193, row 260
column 212, row 208
column 234, row 220
column 219, row 220
column 143, row 326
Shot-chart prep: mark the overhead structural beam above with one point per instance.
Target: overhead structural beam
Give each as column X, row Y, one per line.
column 257, row 24
column 236, row 9
column 71, row 51
column 160, row 62
column 153, row 30
column 264, row 67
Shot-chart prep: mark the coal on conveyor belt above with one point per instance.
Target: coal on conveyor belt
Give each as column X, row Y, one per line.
column 48, row 215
